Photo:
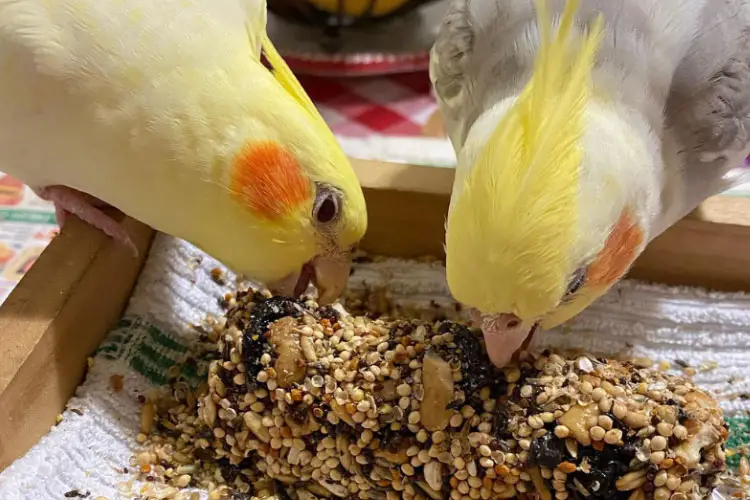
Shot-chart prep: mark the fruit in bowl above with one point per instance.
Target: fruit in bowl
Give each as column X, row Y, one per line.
column 374, row 8
column 332, row 15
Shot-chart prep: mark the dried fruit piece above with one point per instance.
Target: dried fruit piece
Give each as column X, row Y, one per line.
column 541, row 488
column 341, row 412
column 433, row 474
column 632, row 480
column 290, row 365
column 388, row 391
column 396, row 457
column 576, row 420
column 437, row 378
column 255, row 424
column 548, row 451
column 689, row 451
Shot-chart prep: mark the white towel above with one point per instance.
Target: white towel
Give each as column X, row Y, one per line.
column 88, row 450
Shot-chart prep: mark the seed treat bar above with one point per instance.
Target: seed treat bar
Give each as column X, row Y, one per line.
column 307, row 402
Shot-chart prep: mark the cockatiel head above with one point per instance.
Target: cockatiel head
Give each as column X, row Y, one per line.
column 292, row 191
column 172, row 117
column 546, row 211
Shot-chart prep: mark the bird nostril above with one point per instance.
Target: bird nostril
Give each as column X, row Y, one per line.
column 512, row 323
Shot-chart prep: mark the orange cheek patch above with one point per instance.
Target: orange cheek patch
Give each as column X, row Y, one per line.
column 268, row 180
column 618, row 253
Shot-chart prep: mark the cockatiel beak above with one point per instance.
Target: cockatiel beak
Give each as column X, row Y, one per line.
column 329, row 273
column 331, row 276
column 504, row 334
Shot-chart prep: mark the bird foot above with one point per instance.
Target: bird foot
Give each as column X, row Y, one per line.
column 70, row 201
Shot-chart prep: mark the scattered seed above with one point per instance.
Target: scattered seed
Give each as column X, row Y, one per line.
column 362, row 398
column 562, row 431
column 680, row 432
column 613, row 436
column 658, row 443
column 597, row 433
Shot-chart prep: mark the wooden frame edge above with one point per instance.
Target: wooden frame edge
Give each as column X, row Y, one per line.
column 54, row 319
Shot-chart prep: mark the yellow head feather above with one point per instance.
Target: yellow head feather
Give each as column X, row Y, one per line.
column 511, row 230
column 286, row 78
column 329, row 163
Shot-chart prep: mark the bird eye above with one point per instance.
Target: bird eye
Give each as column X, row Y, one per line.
column 576, row 282
column 327, row 205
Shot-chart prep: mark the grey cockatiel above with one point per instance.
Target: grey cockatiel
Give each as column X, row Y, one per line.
column 583, row 130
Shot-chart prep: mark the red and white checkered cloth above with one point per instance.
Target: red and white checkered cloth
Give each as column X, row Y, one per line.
column 393, row 105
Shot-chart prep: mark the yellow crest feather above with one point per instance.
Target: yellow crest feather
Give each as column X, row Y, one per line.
column 286, row 78
column 513, row 226
column 332, row 164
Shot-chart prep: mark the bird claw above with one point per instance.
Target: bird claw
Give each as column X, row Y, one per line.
column 71, row 201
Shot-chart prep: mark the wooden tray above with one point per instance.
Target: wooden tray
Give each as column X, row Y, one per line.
column 80, row 285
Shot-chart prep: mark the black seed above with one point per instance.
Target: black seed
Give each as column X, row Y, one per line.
column 230, row 472
column 444, row 327
column 264, row 312
column 202, row 454
column 527, row 371
column 281, row 491
column 329, row 313
column 547, row 451
column 682, row 415
column 500, row 418
column 456, row 404
column 607, row 466
column 299, row 413
column 362, row 259
column 474, row 364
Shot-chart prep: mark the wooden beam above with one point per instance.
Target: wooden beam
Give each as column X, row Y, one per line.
column 54, row 319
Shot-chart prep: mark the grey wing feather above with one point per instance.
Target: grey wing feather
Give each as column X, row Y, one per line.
column 484, row 52
column 448, row 60
column 707, row 134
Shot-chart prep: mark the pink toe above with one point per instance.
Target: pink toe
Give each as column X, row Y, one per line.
column 60, row 214
column 71, row 201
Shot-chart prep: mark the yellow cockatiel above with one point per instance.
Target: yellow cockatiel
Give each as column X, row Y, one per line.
column 583, row 129
column 165, row 110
